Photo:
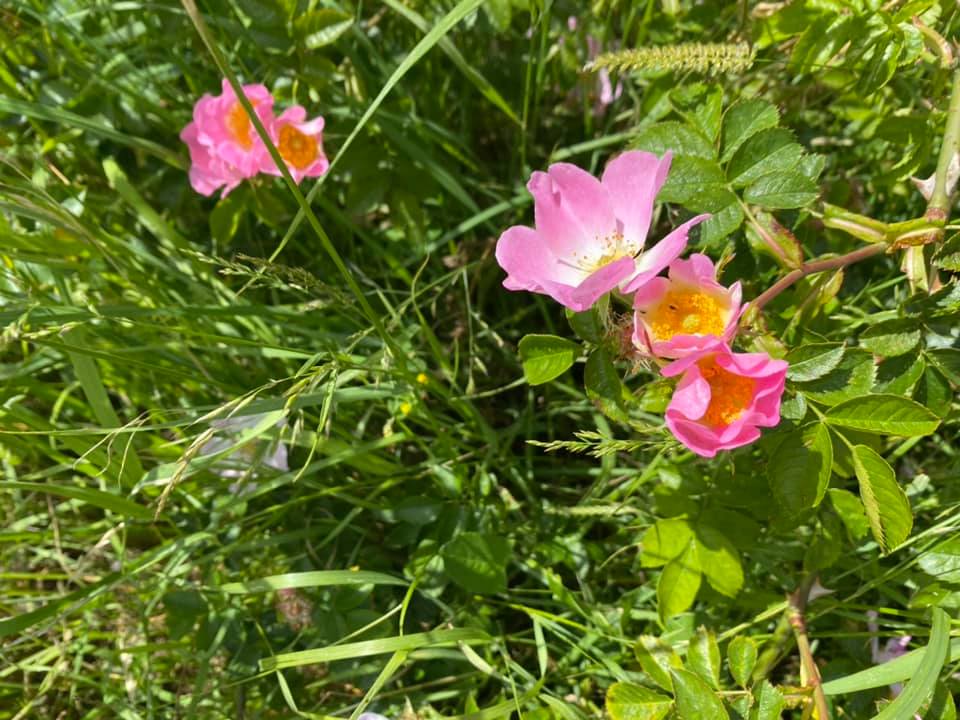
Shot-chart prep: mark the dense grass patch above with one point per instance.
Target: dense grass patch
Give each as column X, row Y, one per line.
column 276, row 453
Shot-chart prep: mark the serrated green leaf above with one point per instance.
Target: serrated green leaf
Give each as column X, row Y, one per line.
column 899, row 375
column 694, row 698
column 587, row 325
column 657, row 658
column 947, row 361
column 800, row 467
column 853, row 377
column 318, row 28
column 769, row 702
column 477, row 562
column 719, row 560
column 781, row 190
column 665, row 540
column 742, row 658
column 677, row 138
column 884, row 501
column 701, row 105
column 604, row 385
column 892, row 337
column 744, row 120
column 626, row 701
column 721, row 224
column 811, row 166
column 822, row 40
column 679, row 582
column 879, row 64
column 703, row 656
column 850, row 510
column 942, row 561
column 770, row 150
column 691, row 179
column 884, row 414
column 546, row 357
column 809, row 362
column 933, row 392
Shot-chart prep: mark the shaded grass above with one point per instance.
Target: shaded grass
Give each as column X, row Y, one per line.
column 136, row 312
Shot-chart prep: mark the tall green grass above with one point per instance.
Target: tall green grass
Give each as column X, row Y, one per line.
column 361, row 318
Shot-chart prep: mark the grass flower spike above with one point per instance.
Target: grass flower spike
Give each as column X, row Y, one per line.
column 224, row 147
column 590, row 234
column 687, row 312
column 300, row 142
column 723, row 398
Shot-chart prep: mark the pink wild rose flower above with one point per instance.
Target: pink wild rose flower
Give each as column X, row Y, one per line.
column 224, row 146
column 590, row 234
column 723, row 398
column 686, row 313
column 300, row 143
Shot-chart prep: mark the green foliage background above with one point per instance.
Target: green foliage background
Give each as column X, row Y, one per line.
column 422, row 555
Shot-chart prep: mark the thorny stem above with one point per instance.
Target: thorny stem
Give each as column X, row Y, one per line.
column 939, row 206
column 811, row 268
column 798, row 606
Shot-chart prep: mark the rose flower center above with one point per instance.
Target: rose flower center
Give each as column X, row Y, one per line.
column 687, row 312
column 297, row 148
column 239, row 127
column 730, row 394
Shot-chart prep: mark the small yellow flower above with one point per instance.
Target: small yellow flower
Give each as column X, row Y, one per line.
column 423, row 379
column 405, row 408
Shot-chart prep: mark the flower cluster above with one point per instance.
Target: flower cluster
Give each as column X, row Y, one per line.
column 590, row 238
column 225, row 148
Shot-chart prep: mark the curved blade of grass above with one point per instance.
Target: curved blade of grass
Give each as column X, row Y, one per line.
column 381, row 646
column 902, row 668
column 319, row 578
column 460, row 11
column 69, row 119
column 921, row 685
column 97, row 498
column 389, row 670
column 482, row 84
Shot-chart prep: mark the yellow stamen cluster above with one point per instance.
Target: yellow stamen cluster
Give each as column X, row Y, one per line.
column 297, row 148
column 730, row 394
column 686, row 312
column 238, row 125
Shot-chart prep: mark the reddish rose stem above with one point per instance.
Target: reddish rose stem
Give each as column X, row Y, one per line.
column 817, row 266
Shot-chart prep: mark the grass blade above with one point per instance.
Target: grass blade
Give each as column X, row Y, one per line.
column 381, row 646
column 319, row 578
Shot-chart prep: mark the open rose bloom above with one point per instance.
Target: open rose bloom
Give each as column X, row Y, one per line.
column 689, row 312
column 300, row 143
column 723, row 398
column 590, row 234
column 225, row 148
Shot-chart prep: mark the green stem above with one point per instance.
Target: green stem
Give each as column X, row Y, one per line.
column 798, row 606
column 939, row 206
